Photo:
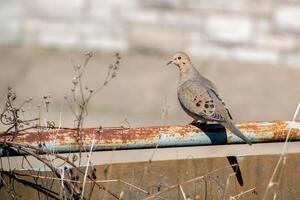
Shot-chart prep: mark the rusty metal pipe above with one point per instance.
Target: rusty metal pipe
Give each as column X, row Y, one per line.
column 63, row 141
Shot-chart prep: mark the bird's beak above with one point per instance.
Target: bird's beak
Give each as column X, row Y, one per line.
column 170, row 62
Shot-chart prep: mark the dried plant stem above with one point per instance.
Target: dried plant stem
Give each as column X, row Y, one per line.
column 186, row 182
column 69, row 186
column 87, row 182
column 281, row 161
column 78, row 103
column 227, row 185
column 87, row 167
column 35, row 186
column 24, row 146
column 182, row 192
column 241, row 194
column 62, row 184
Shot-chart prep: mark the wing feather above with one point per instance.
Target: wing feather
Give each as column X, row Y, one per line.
column 199, row 101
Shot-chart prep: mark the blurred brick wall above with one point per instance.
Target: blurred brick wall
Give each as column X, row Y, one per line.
column 265, row 31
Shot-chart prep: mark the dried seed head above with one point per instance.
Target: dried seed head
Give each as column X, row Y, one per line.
column 114, row 74
column 12, row 95
column 75, row 80
column 51, row 124
column 74, row 157
column 100, row 129
column 118, row 56
column 94, row 175
column 110, row 66
column 89, row 54
column 78, row 66
column 116, row 67
column 46, row 97
column 28, row 100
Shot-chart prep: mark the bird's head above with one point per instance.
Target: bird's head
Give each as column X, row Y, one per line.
column 180, row 59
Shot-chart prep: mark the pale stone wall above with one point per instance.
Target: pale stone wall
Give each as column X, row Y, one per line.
column 265, row 31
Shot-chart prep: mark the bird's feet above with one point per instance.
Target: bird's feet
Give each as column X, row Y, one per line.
column 198, row 123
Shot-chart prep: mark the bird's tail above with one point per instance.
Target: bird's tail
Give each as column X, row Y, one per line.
column 229, row 125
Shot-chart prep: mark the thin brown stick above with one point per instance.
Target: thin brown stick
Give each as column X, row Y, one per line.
column 282, row 159
column 186, row 182
column 88, row 182
column 227, row 185
column 182, row 192
column 35, row 186
column 57, row 173
column 241, row 194
column 16, row 145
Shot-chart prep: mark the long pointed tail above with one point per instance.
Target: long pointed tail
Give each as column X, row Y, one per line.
column 236, row 168
column 236, row 131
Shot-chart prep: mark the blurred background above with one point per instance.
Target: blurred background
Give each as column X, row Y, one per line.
column 249, row 48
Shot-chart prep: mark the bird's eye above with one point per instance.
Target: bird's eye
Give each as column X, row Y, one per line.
column 179, row 58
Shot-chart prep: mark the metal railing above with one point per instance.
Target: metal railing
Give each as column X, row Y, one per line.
column 64, row 140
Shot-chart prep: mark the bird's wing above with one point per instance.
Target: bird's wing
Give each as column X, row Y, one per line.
column 212, row 87
column 223, row 103
column 200, row 101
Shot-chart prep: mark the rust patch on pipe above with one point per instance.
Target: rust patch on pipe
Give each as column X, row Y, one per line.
column 108, row 137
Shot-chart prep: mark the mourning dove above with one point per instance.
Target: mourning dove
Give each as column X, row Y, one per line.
column 199, row 97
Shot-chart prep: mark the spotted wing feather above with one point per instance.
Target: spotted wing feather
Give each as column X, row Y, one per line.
column 223, row 103
column 199, row 101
